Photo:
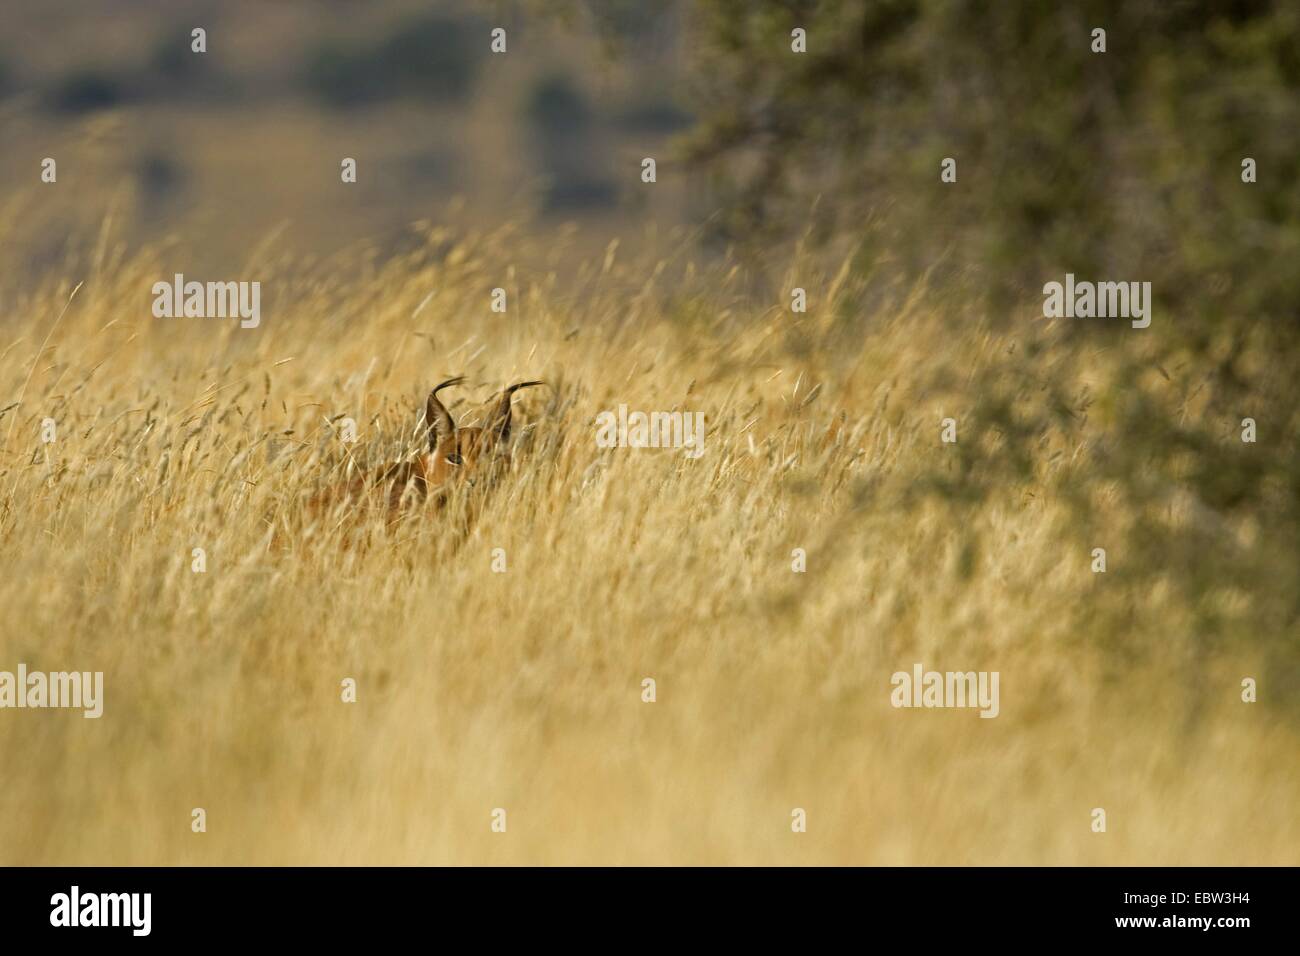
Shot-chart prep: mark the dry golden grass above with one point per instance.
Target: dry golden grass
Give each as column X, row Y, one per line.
column 522, row 690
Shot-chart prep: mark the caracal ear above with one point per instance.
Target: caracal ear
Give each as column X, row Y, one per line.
column 438, row 420
column 498, row 426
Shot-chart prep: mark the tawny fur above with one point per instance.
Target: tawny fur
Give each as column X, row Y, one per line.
column 471, row 459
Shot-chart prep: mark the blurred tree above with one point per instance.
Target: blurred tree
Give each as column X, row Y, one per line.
column 562, row 127
column 85, row 90
column 433, row 57
column 172, row 57
column 1123, row 164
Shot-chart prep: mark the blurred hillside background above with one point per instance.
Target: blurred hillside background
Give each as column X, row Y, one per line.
column 1068, row 160
column 223, row 148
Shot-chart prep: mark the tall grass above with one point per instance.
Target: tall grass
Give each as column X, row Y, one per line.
column 522, row 690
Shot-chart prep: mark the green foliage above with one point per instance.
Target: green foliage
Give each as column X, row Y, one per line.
column 1127, row 161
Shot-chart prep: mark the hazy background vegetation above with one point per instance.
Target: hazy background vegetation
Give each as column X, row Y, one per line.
column 219, row 150
column 522, row 690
